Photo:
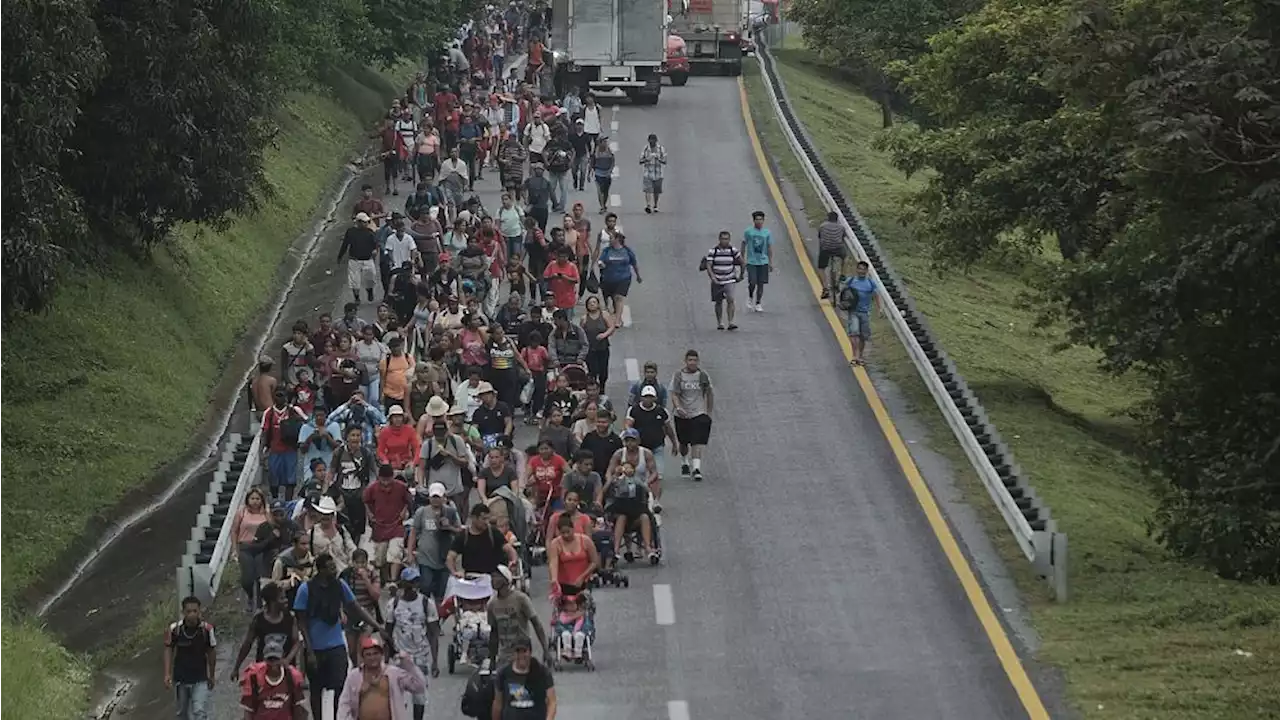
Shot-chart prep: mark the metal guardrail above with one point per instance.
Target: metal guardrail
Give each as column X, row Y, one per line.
column 211, row 545
column 1027, row 517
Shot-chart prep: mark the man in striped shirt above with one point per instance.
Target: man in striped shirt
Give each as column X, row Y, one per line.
column 831, row 253
column 724, row 265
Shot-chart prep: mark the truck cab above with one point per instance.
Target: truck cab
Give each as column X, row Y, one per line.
column 712, row 32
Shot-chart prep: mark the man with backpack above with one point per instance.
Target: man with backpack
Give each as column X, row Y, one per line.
column 281, row 425
column 271, row 689
column 559, row 154
column 723, row 264
column 856, row 298
column 693, row 400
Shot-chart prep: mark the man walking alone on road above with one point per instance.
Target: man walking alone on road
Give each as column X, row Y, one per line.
column 757, row 245
column 654, row 160
column 723, row 264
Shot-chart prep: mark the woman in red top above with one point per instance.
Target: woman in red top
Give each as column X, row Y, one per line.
column 582, row 522
column 544, row 473
column 398, row 442
column 571, row 559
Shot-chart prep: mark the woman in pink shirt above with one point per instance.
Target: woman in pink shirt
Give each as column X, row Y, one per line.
column 253, row 513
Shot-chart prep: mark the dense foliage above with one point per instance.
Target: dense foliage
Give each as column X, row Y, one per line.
column 123, row 118
column 1144, row 138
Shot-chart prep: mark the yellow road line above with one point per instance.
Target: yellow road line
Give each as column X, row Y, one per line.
column 995, row 632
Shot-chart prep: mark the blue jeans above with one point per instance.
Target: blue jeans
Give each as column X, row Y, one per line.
column 515, row 245
column 433, row 583
column 283, row 469
column 373, row 391
column 559, row 191
column 193, row 700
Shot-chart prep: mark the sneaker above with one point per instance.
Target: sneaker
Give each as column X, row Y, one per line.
column 697, row 475
column 759, row 307
column 733, row 326
column 826, row 294
column 684, row 468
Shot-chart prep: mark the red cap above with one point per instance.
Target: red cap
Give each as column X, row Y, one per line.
column 370, row 642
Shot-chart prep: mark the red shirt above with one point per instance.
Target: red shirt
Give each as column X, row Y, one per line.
column 444, row 103
column 454, row 120
column 373, row 208
column 546, row 476
column 398, row 446
column 564, row 290
column 271, row 419
column 386, row 502
column 274, row 702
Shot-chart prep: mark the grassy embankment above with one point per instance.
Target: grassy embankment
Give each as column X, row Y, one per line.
column 115, row 377
column 1144, row 635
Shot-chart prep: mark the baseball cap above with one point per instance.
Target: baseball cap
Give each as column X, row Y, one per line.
column 363, row 217
column 648, row 391
column 410, row 573
column 273, row 647
column 278, row 506
column 522, row 643
column 505, row 572
column 370, row 642
column 631, row 434
column 436, row 490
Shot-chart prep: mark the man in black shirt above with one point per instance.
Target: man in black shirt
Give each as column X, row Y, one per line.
column 190, row 660
column 360, row 241
column 538, row 196
column 481, row 549
column 653, row 422
column 512, row 316
column 602, row 443
column 582, row 148
column 523, row 688
column 492, row 418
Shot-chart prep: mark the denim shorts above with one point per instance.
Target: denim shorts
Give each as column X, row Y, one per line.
column 859, row 325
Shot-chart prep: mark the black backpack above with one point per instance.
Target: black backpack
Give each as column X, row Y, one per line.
column 477, row 698
column 289, row 427
column 848, row 299
column 559, row 161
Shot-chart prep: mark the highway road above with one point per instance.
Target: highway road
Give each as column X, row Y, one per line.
column 800, row 578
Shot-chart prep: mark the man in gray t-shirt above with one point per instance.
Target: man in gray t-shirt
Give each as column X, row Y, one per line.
column 693, row 400
column 430, row 537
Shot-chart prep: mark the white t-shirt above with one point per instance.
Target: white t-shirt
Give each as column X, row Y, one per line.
column 401, row 248
column 539, row 136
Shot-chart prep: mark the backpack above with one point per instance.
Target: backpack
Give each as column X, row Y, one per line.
column 477, row 698
column 289, row 427
column 848, row 298
column 559, row 161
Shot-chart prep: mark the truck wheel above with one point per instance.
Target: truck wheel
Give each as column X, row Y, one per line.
column 679, row 79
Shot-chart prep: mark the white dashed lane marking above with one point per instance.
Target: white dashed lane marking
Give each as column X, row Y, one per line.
column 678, row 710
column 664, row 608
column 632, row 365
column 626, row 316
column 615, row 200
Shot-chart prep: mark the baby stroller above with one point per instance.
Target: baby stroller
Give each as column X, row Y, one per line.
column 467, row 599
column 506, row 507
column 632, row 542
column 602, row 537
column 574, row 643
column 577, row 375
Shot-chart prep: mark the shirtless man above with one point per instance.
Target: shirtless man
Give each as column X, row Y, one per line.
column 262, row 391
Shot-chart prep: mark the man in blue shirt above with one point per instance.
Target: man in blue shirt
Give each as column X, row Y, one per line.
column 757, row 246
column 319, row 605
column 858, row 296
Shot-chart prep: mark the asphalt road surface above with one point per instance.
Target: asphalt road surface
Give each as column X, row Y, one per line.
column 800, row 579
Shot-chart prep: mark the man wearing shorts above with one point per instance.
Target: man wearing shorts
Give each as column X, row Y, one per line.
column 723, row 265
column 693, row 400
column 757, row 246
column 360, row 244
column 387, row 502
column 654, row 160
column 860, row 294
column 831, row 252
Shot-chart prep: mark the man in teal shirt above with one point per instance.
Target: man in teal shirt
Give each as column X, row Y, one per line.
column 757, row 246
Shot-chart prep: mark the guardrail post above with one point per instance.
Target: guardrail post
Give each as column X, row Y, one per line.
column 1059, row 561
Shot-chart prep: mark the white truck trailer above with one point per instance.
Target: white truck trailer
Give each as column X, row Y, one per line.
column 612, row 47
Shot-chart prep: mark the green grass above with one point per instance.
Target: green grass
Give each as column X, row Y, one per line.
column 118, row 373
column 1144, row 635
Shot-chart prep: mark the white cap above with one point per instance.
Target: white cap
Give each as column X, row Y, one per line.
column 436, row 490
column 648, row 391
column 506, row 573
column 363, row 217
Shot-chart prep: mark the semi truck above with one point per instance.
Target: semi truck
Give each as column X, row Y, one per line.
column 713, row 34
column 612, row 47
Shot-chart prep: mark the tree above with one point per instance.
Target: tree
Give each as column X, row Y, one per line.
column 51, row 53
column 175, row 131
column 868, row 38
column 411, row 28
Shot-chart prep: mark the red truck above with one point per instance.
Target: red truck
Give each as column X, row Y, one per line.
column 676, row 66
